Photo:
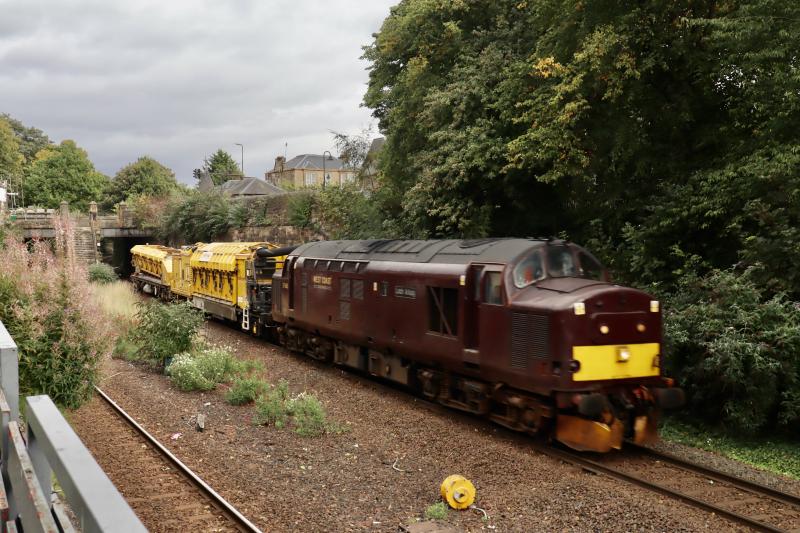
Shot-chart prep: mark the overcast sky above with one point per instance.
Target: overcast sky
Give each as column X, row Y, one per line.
column 177, row 79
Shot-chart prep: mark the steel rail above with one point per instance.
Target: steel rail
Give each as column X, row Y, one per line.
column 599, row 468
column 242, row 523
column 718, row 475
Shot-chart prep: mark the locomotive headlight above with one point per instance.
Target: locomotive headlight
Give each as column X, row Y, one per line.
column 654, row 306
column 623, row 354
column 580, row 308
column 640, row 327
column 604, row 329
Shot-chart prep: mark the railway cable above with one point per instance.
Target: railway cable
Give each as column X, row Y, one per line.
column 239, row 521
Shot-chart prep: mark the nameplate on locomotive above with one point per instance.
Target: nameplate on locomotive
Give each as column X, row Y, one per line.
column 322, row 282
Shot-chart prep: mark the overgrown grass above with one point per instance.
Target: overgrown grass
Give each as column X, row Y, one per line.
column 273, row 407
column 310, row 419
column 775, row 454
column 204, row 369
column 437, row 511
column 305, row 411
column 245, row 390
column 116, row 299
column 102, row 273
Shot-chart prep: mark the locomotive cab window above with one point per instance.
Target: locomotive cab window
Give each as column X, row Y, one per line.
column 561, row 262
column 493, row 293
column 590, row 267
column 529, row 270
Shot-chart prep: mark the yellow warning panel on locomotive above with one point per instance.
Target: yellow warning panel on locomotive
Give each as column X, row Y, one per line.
column 613, row 361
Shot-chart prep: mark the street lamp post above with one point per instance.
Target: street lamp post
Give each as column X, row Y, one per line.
column 324, row 177
column 242, row 147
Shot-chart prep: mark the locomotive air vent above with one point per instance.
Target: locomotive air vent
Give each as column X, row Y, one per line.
column 529, row 338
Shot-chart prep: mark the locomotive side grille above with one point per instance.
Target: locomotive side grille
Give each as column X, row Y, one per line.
column 529, row 338
column 344, row 310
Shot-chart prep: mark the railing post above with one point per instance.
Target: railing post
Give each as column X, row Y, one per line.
column 9, row 373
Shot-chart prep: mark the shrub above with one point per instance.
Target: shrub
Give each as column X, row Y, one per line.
column 165, row 330
column 273, row 408
column 437, row 511
column 204, row 369
column 346, row 213
column 102, row 273
column 125, row 349
column 735, row 351
column 309, row 415
column 300, row 208
column 200, row 216
column 245, row 390
column 60, row 333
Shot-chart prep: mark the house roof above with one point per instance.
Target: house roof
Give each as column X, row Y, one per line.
column 313, row 161
column 250, row 187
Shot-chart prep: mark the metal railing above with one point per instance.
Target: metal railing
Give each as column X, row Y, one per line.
column 50, row 447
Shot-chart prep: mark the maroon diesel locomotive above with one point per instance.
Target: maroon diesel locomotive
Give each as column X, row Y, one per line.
column 530, row 333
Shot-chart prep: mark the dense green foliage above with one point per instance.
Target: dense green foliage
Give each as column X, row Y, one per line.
column 199, row 217
column 60, row 333
column 102, row 273
column 63, row 173
column 30, row 140
column 164, row 330
column 11, row 159
column 274, row 407
column 300, row 209
column 144, row 177
column 735, row 351
column 245, row 390
column 345, row 213
column 661, row 135
column 777, row 454
column 221, row 167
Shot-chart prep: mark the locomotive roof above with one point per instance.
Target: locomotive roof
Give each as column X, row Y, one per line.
column 417, row 251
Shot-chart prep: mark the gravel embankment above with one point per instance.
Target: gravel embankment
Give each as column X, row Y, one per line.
column 387, row 468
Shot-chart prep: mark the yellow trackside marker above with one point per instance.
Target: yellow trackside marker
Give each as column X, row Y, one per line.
column 458, row 491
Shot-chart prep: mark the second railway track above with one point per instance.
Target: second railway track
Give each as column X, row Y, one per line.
column 174, row 497
column 756, row 506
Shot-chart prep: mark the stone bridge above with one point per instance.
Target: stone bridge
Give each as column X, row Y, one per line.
column 107, row 238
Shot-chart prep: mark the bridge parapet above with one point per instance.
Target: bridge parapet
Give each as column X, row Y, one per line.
column 50, row 447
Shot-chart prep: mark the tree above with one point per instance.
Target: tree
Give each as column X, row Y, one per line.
column 603, row 121
column 10, row 158
column 145, row 177
column 221, row 167
column 31, row 140
column 64, row 173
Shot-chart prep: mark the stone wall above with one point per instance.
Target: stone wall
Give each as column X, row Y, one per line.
column 280, row 235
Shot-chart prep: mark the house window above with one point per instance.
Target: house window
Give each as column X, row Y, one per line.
column 311, row 178
column 443, row 310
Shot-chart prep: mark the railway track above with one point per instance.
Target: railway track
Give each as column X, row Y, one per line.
column 744, row 502
column 188, row 502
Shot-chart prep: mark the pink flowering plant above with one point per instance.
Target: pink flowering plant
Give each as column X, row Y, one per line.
column 60, row 331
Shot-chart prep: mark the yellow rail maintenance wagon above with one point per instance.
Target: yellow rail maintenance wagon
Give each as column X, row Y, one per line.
column 233, row 280
column 154, row 269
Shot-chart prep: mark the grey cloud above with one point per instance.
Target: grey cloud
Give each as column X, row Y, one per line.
column 179, row 79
